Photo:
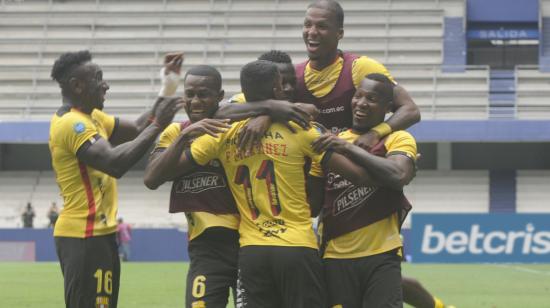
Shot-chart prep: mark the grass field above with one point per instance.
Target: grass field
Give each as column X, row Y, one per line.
column 161, row 285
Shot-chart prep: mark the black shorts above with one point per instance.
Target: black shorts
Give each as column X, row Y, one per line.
column 91, row 270
column 273, row 276
column 213, row 269
column 373, row 281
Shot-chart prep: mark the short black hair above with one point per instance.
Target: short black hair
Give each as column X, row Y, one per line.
column 66, row 63
column 387, row 85
column 332, row 6
column 276, row 56
column 207, row 71
column 257, row 79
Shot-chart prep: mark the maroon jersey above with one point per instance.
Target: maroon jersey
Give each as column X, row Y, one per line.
column 348, row 207
column 204, row 190
column 335, row 107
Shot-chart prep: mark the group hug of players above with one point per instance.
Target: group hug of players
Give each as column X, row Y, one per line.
column 303, row 141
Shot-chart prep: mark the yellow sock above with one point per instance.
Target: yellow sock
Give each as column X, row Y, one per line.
column 438, row 303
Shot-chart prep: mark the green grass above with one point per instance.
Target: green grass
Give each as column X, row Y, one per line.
column 162, row 284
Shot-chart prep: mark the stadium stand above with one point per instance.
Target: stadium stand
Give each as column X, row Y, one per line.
column 532, row 191
column 143, row 207
column 431, row 191
column 138, row 205
column 129, row 38
column 532, row 92
column 449, row 191
column 16, row 189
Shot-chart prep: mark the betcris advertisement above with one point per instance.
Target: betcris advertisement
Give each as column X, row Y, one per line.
column 473, row 238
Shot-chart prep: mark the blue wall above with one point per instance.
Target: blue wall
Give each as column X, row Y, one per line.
column 425, row 131
column 454, row 45
column 502, row 191
column 503, row 10
column 147, row 244
column 43, row 239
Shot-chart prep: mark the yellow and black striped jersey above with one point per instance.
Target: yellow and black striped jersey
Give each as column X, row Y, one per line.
column 89, row 195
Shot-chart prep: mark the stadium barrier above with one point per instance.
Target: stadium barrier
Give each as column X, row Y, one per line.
column 475, row 238
column 434, row 238
column 146, row 245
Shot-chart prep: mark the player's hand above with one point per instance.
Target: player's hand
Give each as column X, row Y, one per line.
column 330, row 141
column 309, row 109
column 367, row 140
column 166, row 109
column 172, row 63
column 211, row 127
column 251, row 134
column 156, row 105
column 283, row 112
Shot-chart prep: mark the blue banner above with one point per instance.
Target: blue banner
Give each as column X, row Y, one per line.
column 472, row 238
column 146, row 245
column 503, row 34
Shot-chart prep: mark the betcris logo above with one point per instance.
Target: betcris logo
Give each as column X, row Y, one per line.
column 466, row 238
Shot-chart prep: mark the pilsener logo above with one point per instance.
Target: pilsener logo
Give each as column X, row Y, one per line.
column 526, row 241
column 499, row 237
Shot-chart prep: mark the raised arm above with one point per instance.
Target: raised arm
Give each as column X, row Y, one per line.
column 394, row 171
column 128, row 130
column 116, row 161
column 405, row 111
column 264, row 113
column 169, row 163
column 277, row 110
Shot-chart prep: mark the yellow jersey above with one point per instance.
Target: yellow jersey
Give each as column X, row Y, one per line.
column 89, row 195
column 238, row 98
column 380, row 236
column 320, row 83
column 268, row 184
column 197, row 222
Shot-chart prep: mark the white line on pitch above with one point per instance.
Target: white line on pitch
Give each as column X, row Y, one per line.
column 523, row 269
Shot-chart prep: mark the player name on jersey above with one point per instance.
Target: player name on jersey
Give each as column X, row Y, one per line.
column 266, row 147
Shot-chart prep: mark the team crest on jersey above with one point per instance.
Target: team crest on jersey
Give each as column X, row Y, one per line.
column 336, row 181
column 351, row 197
column 79, row 127
column 101, row 302
column 199, row 182
column 198, row 304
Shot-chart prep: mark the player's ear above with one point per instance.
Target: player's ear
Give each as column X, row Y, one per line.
column 75, row 85
column 278, row 92
column 388, row 106
column 221, row 95
column 340, row 33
